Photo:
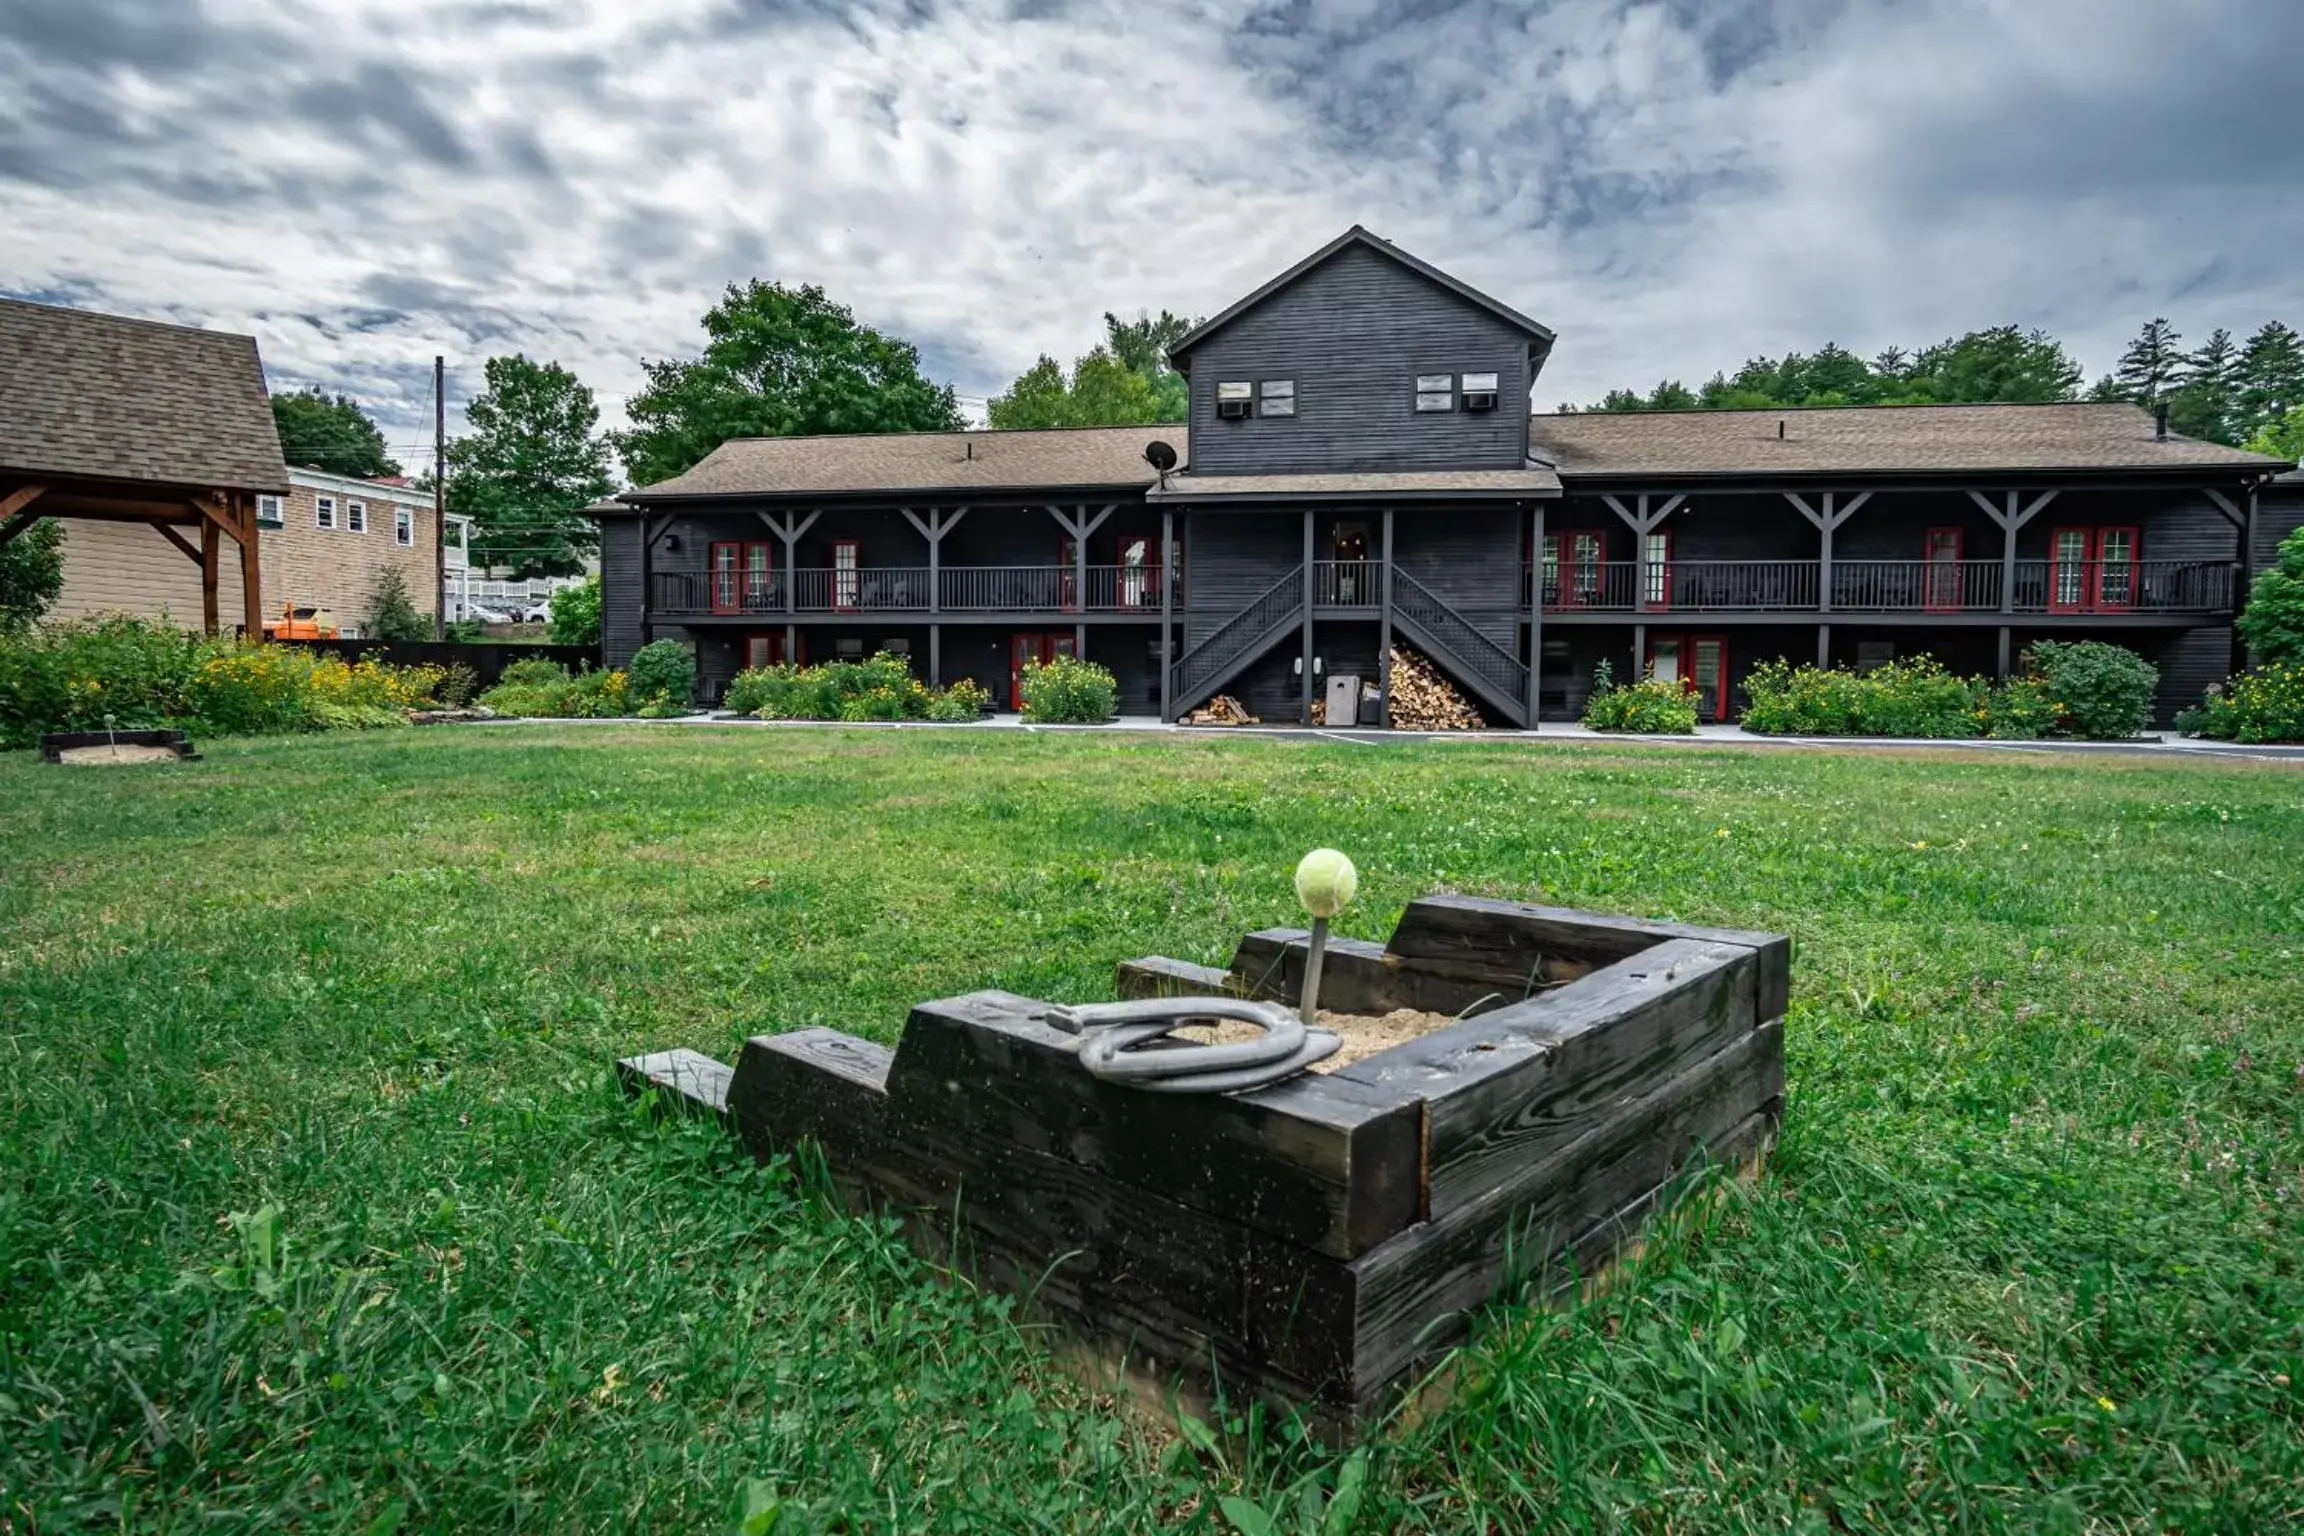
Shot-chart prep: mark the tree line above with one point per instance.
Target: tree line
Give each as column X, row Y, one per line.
column 2223, row 390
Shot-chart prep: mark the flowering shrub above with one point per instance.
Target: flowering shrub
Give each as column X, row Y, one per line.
column 1650, row 707
column 542, row 690
column 1068, row 691
column 143, row 673
column 2081, row 688
column 1914, row 697
column 881, row 688
column 2265, row 705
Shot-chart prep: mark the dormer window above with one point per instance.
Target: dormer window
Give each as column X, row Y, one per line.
column 1277, row 397
column 1233, row 400
column 1479, row 391
column 1435, row 392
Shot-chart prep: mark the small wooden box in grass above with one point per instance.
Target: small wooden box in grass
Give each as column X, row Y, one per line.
column 1522, row 1088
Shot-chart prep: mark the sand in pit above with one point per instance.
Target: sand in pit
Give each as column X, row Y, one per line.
column 81, row 757
column 1364, row 1035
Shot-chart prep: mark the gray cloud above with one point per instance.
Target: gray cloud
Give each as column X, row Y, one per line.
column 1672, row 184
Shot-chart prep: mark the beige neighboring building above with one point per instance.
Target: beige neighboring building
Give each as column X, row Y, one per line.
column 322, row 548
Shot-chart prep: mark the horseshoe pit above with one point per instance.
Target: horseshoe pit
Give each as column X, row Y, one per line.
column 1521, row 1089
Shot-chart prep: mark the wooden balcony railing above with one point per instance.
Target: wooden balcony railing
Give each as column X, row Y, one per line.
column 1347, row 583
column 1887, row 586
column 905, row 589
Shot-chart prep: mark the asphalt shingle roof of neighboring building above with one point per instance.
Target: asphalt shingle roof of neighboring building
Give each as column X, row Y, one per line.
column 1919, row 439
column 87, row 395
column 1086, row 457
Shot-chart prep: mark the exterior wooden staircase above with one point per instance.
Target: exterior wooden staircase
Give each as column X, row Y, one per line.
column 1238, row 641
column 1489, row 670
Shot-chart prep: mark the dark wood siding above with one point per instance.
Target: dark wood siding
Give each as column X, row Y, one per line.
column 2279, row 512
column 1230, row 558
column 1353, row 334
column 1470, row 559
column 619, row 589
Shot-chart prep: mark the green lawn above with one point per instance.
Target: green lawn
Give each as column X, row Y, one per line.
column 318, row 1206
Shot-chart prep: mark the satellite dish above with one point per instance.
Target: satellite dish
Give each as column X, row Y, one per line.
column 1160, row 456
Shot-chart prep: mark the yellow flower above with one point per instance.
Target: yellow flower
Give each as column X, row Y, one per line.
column 1918, row 846
column 2107, row 1405
column 1723, row 832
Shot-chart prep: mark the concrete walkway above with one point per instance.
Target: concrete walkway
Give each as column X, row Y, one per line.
column 2168, row 745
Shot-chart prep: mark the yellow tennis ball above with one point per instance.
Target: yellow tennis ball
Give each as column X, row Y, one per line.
column 1325, row 882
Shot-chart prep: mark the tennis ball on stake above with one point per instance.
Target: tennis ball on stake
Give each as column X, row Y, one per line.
column 1326, row 882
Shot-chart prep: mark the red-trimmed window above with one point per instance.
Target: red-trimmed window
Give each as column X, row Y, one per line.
column 1572, row 567
column 727, row 563
column 1699, row 664
column 1656, row 570
column 1940, row 571
column 847, row 577
column 2116, row 554
column 759, row 570
column 2069, row 569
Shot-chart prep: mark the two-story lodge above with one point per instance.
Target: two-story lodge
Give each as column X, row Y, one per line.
column 1360, row 467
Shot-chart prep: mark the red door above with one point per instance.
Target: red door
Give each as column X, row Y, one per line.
column 846, row 578
column 1025, row 648
column 1656, row 571
column 765, row 648
column 2068, row 570
column 1940, row 571
column 1699, row 664
column 2115, row 570
column 727, row 595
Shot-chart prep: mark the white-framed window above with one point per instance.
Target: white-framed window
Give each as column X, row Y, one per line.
column 355, row 517
column 1233, row 398
column 269, row 513
column 1276, row 397
column 403, row 526
column 323, row 511
column 1479, row 391
column 1435, row 392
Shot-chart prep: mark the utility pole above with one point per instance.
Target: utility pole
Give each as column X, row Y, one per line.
column 439, row 497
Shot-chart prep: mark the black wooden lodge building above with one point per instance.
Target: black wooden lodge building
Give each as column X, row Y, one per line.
column 1360, row 464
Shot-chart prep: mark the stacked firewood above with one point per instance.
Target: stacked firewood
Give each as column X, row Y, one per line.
column 1319, row 711
column 1222, row 710
column 1423, row 700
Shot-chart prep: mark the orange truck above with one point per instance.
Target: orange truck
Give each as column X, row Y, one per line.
column 301, row 624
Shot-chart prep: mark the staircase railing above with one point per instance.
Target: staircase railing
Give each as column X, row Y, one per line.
column 1198, row 671
column 1468, row 650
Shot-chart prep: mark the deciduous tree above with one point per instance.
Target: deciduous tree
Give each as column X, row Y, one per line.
column 31, row 574
column 533, row 457
column 330, row 432
column 778, row 362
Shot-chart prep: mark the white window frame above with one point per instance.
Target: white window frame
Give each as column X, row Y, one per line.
column 404, row 527
column 1435, row 392
column 1276, row 397
column 324, row 512
column 271, row 511
column 355, row 517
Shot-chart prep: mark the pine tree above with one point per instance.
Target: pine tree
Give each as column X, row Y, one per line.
column 2203, row 404
column 2271, row 378
column 2152, row 365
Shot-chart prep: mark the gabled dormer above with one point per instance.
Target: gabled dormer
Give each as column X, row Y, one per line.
column 1361, row 358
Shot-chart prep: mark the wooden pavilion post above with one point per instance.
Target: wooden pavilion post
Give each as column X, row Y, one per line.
column 251, row 573
column 209, row 534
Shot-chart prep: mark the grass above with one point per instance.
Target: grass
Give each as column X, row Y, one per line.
column 318, row 1208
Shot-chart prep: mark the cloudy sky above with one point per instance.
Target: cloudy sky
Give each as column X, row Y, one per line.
column 1673, row 185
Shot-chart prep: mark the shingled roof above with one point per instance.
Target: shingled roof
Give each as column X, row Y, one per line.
column 93, row 396
column 1098, row 458
column 1901, row 439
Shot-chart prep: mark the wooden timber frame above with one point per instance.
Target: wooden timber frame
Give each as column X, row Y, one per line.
column 216, row 514
column 1323, row 1242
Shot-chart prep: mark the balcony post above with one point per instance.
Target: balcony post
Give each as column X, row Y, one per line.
column 1826, row 517
column 1535, row 610
column 1384, row 635
column 2004, row 653
column 1304, row 690
column 1167, row 611
column 2243, row 519
column 2010, row 519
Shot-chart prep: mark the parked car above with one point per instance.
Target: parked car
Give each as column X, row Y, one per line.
column 532, row 613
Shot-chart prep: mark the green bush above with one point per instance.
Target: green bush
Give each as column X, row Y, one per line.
column 532, row 672
column 2273, row 622
column 966, row 699
column 1915, row 697
column 1068, row 691
column 576, row 613
column 2104, row 692
column 539, row 695
column 459, row 686
column 2264, row 705
column 662, row 669
column 881, row 688
column 142, row 673
column 392, row 613
column 1650, row 707
column 2020, row 709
